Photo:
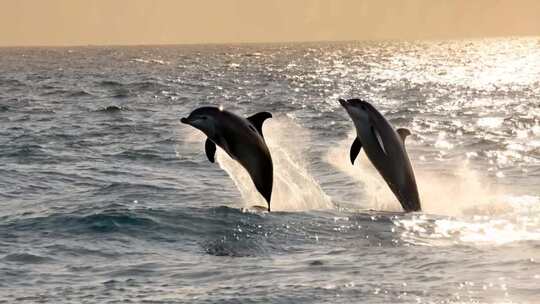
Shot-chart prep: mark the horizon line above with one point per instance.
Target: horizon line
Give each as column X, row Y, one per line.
column 266, row 42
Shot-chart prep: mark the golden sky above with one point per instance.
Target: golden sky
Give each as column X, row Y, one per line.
column 82, row 22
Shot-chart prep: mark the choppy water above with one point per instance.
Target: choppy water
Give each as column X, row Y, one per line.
column 106, row 198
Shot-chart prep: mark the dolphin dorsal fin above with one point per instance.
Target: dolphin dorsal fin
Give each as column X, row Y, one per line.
column 403, row 133
column 258, row 119
column 355, row 149
column 210, row 149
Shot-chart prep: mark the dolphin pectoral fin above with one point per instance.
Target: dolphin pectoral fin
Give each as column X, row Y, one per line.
column 403, row 133
column 355, row 149
column 258, row 119
column 210, row 148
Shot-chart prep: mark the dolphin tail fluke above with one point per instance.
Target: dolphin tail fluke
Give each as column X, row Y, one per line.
column 267, row 196
column 258, row 119
column 355, row 149
column 265, row 189
column 210, row 148
column 413, row 207
column 409, row 200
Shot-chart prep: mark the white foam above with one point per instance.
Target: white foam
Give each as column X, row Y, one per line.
column 376, row 194
column 457, row 192
column 490, row 122
column 294, row 188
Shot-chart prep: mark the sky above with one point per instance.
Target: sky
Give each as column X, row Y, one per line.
column 135, row 22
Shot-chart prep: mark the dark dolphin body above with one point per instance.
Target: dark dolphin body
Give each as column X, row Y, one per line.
column 385, row 148
column 241, row 138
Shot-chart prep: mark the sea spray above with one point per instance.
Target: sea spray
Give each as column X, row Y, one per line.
column 294, row 187
column 461, row 190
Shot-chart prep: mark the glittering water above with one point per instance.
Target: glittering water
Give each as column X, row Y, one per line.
column 107, row 198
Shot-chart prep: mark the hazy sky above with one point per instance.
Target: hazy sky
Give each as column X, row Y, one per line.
column 81, row 22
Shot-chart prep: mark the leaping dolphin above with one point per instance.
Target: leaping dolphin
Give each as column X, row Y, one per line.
column 242, row 138
column 385, row 148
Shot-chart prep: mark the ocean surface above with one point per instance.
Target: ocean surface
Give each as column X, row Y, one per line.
column 107, row 198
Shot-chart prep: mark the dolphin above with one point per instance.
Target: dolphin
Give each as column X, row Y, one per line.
column 242, row 139
column 385, row 148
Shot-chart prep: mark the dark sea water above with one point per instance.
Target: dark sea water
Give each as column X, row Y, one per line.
column 107, row 198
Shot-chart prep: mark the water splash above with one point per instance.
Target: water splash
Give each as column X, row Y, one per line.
column 459, row 191
column 376, row 194
column 294, row 188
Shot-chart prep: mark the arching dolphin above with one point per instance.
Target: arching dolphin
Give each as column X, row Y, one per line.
column 241, row 138
column 385, row 148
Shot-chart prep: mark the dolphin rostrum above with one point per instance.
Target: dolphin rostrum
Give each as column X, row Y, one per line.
column 385, row 148
column 241, row 138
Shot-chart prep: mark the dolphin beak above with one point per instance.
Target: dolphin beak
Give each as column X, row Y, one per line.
column 184, row 120
column 343, row 102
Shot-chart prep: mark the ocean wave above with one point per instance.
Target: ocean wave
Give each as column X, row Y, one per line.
column 24, row 151
column 220, row 231
column 146, row 154
column 104, row 221
column 113, row 109
column 120, row 90
column 121, row 93
column 109, row 83
column 147, row 223
column 141, row 86
column 79, row 93
column 11, row 83
column 233, row 246
column 155, row 61
column 27, row 258
column 113, row 221
column 54, row 92
column 121, row 187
